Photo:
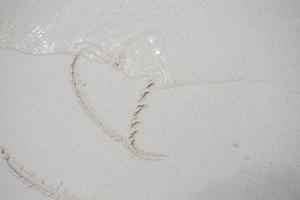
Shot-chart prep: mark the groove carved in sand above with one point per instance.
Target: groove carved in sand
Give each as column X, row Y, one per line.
column 130, row 141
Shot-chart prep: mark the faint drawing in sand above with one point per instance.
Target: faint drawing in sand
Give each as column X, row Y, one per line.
column 130, row 140
column 32, row 180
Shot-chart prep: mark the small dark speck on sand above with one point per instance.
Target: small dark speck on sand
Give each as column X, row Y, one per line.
column 236, row 145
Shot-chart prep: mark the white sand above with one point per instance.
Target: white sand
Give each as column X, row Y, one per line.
column 226, row 140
